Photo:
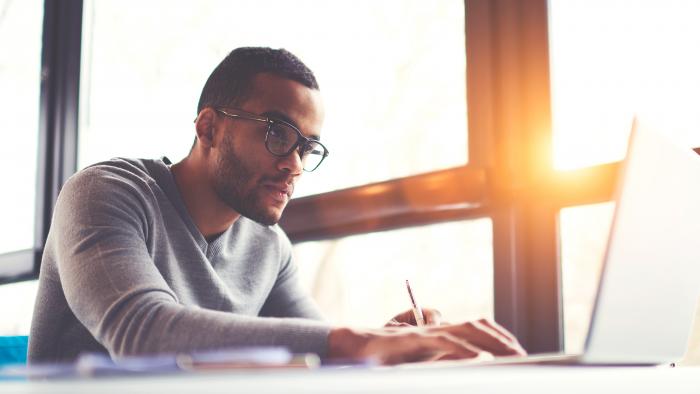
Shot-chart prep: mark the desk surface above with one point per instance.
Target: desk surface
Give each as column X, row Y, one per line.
column 500, row 379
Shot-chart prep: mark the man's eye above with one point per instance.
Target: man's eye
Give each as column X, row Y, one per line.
column 279, row 132
column 274, row 132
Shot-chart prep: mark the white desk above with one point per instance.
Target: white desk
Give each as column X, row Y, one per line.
column 520, row 379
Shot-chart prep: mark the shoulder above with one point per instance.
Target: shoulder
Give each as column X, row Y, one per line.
column 114, row 183
column 128, row 170
column 115, row 194
column 112, row 176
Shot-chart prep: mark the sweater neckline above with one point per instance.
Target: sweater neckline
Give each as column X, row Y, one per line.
column 164, row 177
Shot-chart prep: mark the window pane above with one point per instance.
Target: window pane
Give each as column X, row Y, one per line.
column 17, row 313
column 397, row 83
column 584, row 233
column 612, row 59
column 20, row 65
column 360, row 280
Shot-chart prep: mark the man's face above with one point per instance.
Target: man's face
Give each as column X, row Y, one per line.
column 247, row 177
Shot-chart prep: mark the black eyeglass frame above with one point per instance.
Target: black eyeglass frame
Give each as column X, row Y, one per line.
column 301, row 139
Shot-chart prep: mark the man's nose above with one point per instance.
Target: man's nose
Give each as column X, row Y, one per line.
column 291, row 163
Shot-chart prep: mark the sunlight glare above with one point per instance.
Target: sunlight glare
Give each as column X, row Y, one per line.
column 612, row 60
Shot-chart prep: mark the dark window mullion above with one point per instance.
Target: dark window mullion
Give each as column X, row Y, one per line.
column 58, row 123
column 510, row 135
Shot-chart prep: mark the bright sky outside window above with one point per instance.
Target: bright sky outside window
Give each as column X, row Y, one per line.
column 398, row 82
column 583, row 238
column 17, row 315
column 360, row 280
column 20, row 68
column 612, row 59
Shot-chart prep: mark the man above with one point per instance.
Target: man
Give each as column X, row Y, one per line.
column 146, row 258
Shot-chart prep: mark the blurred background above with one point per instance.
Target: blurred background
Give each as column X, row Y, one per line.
column 393, row 77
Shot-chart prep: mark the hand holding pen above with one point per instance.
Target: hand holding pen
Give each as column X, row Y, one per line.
column 418, row 335
column 416, row 316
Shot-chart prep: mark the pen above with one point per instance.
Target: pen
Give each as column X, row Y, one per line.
column 417, row 312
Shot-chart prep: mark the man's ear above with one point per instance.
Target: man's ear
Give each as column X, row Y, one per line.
column 204, row 127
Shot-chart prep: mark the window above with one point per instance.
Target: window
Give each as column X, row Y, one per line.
column 20, row 67
column 141, row 81
column 17, row 307
column 360, row 280
column 612, row 60
column 395, row 98
column 583, row 236
column 488, row 196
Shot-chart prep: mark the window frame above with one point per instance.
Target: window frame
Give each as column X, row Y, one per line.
column 58, row 128
column 506, row 178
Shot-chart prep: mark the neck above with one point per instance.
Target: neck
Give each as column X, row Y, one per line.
column 211, row 216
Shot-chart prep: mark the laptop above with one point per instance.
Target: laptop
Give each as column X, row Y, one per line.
column 650, row 282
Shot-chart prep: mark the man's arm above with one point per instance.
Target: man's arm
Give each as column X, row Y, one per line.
column 288, row 298
column 115, row 290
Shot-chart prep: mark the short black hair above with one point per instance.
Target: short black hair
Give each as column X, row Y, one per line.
column 231, row 80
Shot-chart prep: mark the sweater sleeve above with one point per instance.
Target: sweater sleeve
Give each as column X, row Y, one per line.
column 115, row 290
column 288, row 298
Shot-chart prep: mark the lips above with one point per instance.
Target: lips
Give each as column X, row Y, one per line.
column 280, row 191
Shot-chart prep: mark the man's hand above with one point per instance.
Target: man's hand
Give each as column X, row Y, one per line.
column 482, row 338
column 432, row 317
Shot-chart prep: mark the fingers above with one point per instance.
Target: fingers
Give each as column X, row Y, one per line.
column 401, row 318
column 485, row 334
column 432, row 317
column 483, row 356
column 485, row 337
column 421, row 346
column 447, row 347
column 401, row 342
column 396, row 323
column 393, row 346
column 499, row 329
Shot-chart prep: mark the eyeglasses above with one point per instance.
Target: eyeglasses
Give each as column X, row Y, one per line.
column 281, row 139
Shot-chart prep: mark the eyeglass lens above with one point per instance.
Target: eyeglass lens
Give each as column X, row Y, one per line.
column 281, row 140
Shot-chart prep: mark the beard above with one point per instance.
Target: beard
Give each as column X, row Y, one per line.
column 234, row 184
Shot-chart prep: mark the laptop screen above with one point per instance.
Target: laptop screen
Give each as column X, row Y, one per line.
column 651, row 276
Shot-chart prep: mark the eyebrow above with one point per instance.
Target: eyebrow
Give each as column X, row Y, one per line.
column 277, row 115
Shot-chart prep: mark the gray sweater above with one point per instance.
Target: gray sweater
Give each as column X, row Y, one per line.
column 126, row 271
